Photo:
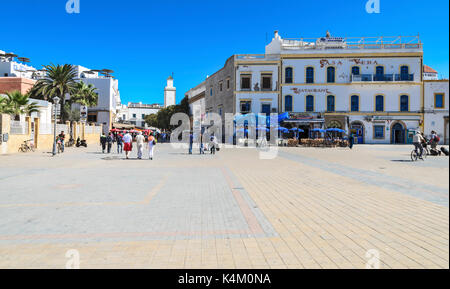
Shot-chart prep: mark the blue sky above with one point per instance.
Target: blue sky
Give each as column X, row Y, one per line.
column 144, row 41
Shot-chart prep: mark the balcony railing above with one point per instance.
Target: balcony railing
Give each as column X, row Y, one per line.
column 381, row 77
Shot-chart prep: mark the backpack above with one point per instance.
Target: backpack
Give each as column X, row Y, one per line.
column 437, row 138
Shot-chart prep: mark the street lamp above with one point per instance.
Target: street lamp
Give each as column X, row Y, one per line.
column 55, row 102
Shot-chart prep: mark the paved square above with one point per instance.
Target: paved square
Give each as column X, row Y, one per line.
column 308, row 208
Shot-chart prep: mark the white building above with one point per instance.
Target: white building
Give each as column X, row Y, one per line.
column 429, row 73
column 135, row 113
column 107, row 88
column 371, row 87
column 436, row 110
column 169, row 93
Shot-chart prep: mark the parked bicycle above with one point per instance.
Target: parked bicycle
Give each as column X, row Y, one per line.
column 27, row 146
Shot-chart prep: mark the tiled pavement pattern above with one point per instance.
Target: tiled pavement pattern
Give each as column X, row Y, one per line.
column 308, row 208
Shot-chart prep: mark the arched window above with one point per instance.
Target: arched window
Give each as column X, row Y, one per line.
column 379, row 73
column 330, row 103
column 356, row 70
column 379, row 103
column 404, row 73
column 354, row 105
column 288, row 103
column 331, row 74
column 310, row 103
column 289, row 73
column 310, row 75
column 404, row 103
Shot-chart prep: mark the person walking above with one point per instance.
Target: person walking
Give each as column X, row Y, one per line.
column 151, row 146
column 213, row 145
column 191, row 142
column 103, row 142
column 119, row 143
column 62, row 137
column 202, row 149
column 140, row 139
column 350, row 141
column 109, row 141
column 127, row 144
column 417, row 142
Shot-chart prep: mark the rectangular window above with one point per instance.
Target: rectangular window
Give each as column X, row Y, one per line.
column 228, row 84
column 134, row 115
column 92, row 118
column 143, row 116
column 265, row 108
column 221, row 86
column 378, row 131
column 245, row 82
column 439, row 100
column 245, row 106
column 266, row 82
column 220, row 111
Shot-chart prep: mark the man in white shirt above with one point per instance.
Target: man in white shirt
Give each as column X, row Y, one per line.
column 417, row 141
column 127, row 143
column 140, row 139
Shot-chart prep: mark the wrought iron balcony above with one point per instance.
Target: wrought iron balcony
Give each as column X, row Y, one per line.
column 381, row 77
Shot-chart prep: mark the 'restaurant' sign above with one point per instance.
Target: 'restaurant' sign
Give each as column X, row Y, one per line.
column 311, row 90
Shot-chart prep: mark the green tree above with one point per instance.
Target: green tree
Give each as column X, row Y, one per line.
column 18, row 103
column 5, row 106
column 152, row 120
column 60, row 81
column 161, row 120
column 84, row 94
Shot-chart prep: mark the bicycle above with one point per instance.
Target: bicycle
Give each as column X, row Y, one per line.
column 415, row 155
column 26, row 146
column 59, row 146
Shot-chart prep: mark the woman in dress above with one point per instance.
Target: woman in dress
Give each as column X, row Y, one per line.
column 151, row 146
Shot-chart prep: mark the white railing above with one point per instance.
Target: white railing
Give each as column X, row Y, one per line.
column 62, row 127
column 352, row 43
column 89, row 129
column 257, row 57
column 45, row 128
column 18, row 127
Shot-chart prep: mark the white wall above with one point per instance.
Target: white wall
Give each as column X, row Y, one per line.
column 342, row 93
column 343, row 67
column 434, row 117
column 256, row 71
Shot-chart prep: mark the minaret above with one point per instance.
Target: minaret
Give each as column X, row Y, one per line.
column 169, row 93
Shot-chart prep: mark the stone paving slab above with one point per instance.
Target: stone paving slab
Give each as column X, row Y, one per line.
column 307, row 208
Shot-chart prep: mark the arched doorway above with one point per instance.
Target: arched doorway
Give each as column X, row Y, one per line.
column 398, row 135
column 357, row 130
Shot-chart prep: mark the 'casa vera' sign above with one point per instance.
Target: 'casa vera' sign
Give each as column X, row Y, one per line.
column 364, row 62
column 326, row 62
column 311, row 90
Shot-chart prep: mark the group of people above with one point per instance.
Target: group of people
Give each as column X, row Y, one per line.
column 125, row 143
column 213, row 144
column 419, row 141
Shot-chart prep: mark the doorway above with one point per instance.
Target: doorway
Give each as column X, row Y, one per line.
column 398, row 134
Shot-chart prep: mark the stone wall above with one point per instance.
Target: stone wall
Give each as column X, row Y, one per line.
column 43, row 142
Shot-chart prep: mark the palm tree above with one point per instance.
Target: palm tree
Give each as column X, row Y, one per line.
column 84, row 94
column 5, row 106
column 18, row 103
column 60, row 81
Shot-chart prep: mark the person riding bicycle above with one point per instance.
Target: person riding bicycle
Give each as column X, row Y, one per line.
column 61, row 138
column 418, row 139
